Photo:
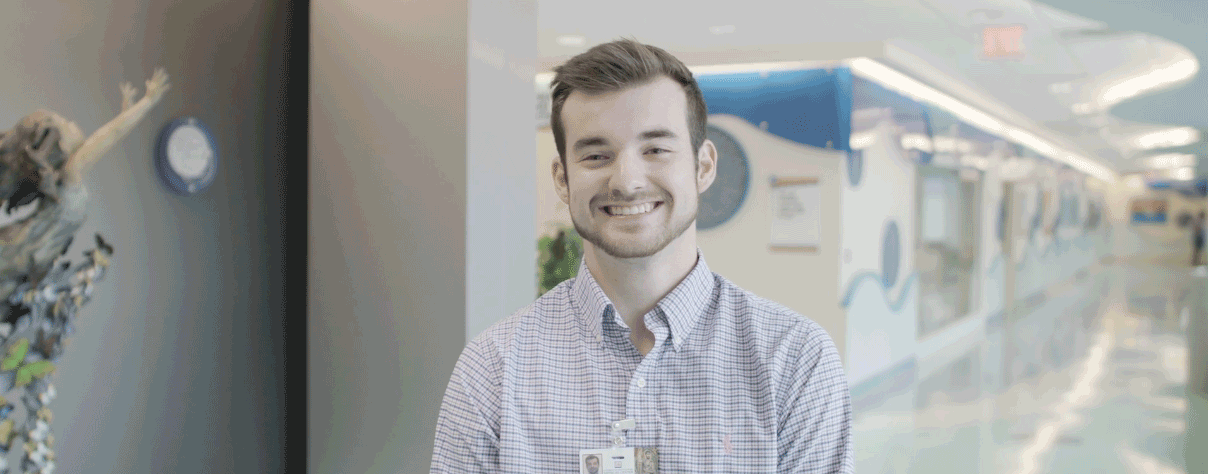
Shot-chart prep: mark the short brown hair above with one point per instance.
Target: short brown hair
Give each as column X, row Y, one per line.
column 619, row 65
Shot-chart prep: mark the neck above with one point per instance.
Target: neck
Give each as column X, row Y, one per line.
column 635, row 285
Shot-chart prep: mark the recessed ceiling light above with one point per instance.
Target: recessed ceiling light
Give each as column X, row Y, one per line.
column 1171, row 160
column 721, row 30
column 1166, row 138
column 1155, row 78
column 911, row 88
column 571, row 40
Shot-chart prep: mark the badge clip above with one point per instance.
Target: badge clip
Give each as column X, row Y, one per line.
column 618, row 431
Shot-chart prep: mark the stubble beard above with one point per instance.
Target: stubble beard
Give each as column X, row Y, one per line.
column 629, row 248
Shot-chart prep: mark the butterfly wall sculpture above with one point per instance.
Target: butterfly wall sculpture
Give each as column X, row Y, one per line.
column 43, row 162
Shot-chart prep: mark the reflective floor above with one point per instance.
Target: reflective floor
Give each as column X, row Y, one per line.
column 1096, row 377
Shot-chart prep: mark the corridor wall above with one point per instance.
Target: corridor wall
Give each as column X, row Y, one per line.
column 1165, row 242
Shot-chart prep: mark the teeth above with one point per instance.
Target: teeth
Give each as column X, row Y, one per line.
column 631, row 210
column 19, row 213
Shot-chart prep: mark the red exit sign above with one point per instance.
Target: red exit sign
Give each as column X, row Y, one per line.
column 1002, row 41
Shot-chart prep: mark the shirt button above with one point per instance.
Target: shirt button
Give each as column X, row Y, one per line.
column 641, row 382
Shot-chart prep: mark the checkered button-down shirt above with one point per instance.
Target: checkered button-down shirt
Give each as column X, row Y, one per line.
column 734, row 383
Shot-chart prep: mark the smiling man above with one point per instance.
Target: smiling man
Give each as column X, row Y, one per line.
column 646, row 347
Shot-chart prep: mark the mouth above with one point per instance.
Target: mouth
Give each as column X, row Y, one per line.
column 632, row 211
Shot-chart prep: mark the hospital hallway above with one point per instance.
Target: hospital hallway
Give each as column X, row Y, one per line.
column 1105, row 375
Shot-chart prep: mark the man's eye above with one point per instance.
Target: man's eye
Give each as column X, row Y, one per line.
column 664, row 150
column 594, row 157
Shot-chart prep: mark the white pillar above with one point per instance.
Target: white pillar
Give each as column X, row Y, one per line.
column 501, row 246
column 421, row 226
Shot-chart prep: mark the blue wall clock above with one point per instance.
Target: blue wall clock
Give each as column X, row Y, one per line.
column 722, row 200
column 187, row 156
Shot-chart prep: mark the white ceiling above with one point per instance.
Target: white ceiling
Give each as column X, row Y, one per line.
column 1061, row 48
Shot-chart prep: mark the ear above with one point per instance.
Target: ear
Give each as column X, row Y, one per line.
column 706, row 158
column 560, row 183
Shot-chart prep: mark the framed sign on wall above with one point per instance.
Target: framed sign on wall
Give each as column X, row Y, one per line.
column 1148, row 211
column 796, row 207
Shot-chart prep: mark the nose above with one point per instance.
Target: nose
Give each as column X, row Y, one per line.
column 629, row 174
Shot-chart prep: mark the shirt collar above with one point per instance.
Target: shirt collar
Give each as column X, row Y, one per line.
column 682, row 306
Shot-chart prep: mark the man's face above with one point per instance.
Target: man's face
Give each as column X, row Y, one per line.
column 631, row 181
column 593, row 465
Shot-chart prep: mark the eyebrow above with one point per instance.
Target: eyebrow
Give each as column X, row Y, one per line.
column 647, row 135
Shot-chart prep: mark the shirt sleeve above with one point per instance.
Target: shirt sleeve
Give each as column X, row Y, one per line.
column 467, row 434
column 815, row 427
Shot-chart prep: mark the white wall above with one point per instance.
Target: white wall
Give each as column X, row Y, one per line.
column 1150, row 243
column 991, row 262
column 550, row 210
column 738, row 249
column 882, row 323
column 421, row 229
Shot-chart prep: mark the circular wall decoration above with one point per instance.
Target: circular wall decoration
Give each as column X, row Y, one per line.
column 1038, row 218
column 1002, row 220
column 855, row 166
column 187, row 156
column 721, row 201
column 891, row 253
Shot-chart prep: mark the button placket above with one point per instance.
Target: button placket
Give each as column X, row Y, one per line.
column 641, row 402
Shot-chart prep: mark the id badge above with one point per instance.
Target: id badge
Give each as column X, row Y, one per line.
column 619, row 461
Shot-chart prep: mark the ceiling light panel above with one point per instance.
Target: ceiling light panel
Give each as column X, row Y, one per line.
column 1171, row 160
column 916, row 90
column 573, row 41
column 1166, row 138
column 1154, row 79
column 921, row 92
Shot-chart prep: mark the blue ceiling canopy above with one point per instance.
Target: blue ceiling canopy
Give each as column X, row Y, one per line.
column 810, row 106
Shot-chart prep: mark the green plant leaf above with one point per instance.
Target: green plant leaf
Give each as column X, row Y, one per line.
column 16, row 354
column 6, row 432
column 558, row 258
column 40, row 368
column 23, row 378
